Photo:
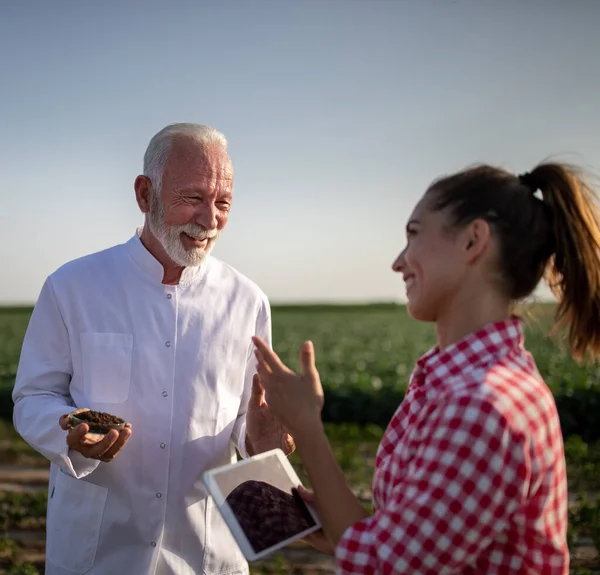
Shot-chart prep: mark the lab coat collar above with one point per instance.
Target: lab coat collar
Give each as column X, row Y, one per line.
column 153, row 269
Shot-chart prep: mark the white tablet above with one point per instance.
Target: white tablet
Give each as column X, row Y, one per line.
column 258, row 500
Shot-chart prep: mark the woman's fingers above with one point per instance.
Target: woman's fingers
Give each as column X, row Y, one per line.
column 268, row 356
column 307, row 496
column 263, row 370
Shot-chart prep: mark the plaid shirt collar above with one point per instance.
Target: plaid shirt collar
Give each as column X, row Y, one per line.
column 478, row 348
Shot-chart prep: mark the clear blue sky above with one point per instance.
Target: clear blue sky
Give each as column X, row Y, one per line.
column 338, row 113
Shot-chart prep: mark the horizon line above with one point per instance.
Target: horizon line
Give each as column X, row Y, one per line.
column 300, row 303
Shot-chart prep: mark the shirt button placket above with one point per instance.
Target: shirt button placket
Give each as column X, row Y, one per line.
column 165, row 393
column 160, row 496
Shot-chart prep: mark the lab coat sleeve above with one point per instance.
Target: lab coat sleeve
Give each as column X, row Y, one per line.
column 264, row 331
column 41, row 392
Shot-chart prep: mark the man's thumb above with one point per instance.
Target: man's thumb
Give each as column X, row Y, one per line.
column 258, row 391
column 307, row 357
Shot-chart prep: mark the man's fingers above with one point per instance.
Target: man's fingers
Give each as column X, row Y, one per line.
column 64, row 422
column 257, row 396
column 97, row 450
column 104, row 449
column 269, row 357
column 287, row 444
column 112, row 452
column 64, row 419
column 76, row 435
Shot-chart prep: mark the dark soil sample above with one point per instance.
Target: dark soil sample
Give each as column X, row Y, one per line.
column 99, row 422
column 267, row 514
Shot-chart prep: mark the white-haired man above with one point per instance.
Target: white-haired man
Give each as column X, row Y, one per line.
column 158, row 332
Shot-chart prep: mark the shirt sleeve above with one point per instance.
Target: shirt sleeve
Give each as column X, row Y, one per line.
column 264, row 331
column 449, row 501
column 41, row 393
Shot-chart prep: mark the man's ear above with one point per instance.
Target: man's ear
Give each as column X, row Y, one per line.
column 143, row 189
column 475, row 239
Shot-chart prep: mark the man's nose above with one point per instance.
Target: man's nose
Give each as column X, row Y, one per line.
column 207, row 216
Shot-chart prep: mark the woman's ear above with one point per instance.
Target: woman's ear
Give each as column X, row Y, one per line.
column 476, row 237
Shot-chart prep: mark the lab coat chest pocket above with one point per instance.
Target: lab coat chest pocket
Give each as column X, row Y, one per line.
column 106, row 359
column 75, row 512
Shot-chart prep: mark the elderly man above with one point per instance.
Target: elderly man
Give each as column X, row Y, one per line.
column 158, row 332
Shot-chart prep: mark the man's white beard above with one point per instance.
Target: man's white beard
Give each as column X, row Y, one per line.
column 170, row 236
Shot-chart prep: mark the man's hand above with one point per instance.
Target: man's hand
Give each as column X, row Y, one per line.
column 104, row 450
column 263, row 430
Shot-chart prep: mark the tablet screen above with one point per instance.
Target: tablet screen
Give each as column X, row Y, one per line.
column 263, row 498
column 267, row 514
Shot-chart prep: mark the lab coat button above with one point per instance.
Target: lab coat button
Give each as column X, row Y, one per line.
column 168, row 344
column 159, row 495
column 153, row 543
column 162, row 445
column 169, row 296
column 165, row 394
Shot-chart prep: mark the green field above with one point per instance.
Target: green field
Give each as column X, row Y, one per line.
column 366, row 349
column 365, row 355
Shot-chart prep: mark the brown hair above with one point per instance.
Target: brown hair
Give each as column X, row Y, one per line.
column 555, row 236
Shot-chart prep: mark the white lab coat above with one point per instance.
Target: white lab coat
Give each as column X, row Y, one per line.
column 174, row 361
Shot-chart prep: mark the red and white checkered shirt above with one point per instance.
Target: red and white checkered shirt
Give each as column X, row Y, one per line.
column 470, row 473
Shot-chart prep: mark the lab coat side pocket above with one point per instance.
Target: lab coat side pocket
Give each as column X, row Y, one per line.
column 74, row 519
column 221, row 552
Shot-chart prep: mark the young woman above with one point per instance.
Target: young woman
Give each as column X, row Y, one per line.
column 470, row 474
